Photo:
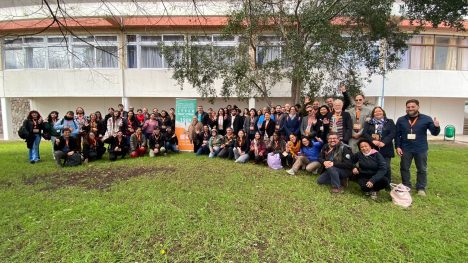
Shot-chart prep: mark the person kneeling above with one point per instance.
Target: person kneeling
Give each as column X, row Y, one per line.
column 156, row 143
column 215, row 142
column 258, row 150
column 172, row 143
column 372, row 169
column 117, row 146
column 308, row 156
column 66, row 148
column 93, row 148
column 336, row 159
column 137, row 144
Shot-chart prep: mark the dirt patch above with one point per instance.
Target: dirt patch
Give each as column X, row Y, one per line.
column 100, row 179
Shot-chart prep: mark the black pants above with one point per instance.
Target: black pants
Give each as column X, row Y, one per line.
column 227, row 152
column 113, row 155
column 379, row 185
column 287, row 161
column 256, row 158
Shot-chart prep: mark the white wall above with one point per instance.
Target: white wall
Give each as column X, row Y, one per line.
column 421, row 83
column 62, row 105
column 58, row 83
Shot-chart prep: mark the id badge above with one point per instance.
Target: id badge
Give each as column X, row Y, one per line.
column 411, row 136
column 321, row 128
column 375, row 137
column 356, row 126
column 277, row 127
column 252, row 128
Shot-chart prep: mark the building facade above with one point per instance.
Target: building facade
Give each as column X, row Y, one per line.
column 114, row 56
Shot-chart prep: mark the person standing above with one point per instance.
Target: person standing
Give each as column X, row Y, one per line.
column 359, row 116
column 411, row 143
column 340, row 122
column 34, row 125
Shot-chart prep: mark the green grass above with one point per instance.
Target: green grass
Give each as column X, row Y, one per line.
column 200, row 209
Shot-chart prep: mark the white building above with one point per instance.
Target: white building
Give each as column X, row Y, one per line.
column 37, row 71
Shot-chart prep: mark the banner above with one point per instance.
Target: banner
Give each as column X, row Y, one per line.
column 185, row 110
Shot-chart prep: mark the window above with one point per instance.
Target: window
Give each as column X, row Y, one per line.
column 269, row 49
column 436, row 52
column 59, row 52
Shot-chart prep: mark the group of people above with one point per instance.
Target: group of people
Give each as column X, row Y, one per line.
column 80, row 138
column 339, row 140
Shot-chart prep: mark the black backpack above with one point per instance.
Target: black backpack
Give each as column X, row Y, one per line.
column 73, row 160
column 23, row 132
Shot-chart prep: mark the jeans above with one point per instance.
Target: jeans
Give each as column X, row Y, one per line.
column 240, row 158
column 215, row 152
column 332, row 176
column 34, row 151
column 420, row 159
column 171, row 147
column 203, row 150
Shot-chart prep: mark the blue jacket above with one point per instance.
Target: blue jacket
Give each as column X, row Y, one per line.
column 292, row 125
column 419, row 145
column 261, row 118
column 67, row 123
column 312, row 152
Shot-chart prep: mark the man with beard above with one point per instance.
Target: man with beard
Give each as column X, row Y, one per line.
column 336, row 160
column 411, row 143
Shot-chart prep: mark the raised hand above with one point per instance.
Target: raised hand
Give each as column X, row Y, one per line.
column 436, row 122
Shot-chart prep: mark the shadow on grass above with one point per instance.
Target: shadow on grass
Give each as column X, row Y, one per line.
column 99, row 179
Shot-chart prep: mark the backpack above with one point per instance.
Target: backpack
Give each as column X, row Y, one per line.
column 23, row 132
column 73, row 160
column 401, row 195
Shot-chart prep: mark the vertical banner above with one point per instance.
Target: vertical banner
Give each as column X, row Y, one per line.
column 185, row 109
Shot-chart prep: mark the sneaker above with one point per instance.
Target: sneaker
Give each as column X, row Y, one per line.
column 421, row 192
column 85, row 161
column 291, row 172
column 373, row 195
column 337, row 190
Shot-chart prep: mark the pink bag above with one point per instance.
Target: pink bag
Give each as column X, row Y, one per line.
column 401, row 195
column 274, row 161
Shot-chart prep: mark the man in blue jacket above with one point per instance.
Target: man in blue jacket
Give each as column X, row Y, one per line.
column 411, row 143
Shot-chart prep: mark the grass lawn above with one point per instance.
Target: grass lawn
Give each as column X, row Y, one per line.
column 181, row 208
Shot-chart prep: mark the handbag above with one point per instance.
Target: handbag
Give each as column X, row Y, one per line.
column 401, row 195
column 274, row 161
column 73, row 160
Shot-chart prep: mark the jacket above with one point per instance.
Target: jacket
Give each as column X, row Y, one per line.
column 387, row 136
column 244, row 146
column 248, row 123
column 114, row 142
column 403, row 128
column 277, row 146
column 60, row 125
column 157, row 142
column 347, row 125
column 261, row 147
column 294, row 149
column 216, row 141
column 312, row 152
column 134, row 143
column 268, row 129
column 236, row 122
column 372, row 167
column 292, row 125
column 340, row 156
column 61, row 146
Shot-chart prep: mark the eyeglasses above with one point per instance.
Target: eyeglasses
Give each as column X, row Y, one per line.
column 358, row 100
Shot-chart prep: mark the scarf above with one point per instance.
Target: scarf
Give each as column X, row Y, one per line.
column 372, row 151
column 378, row 125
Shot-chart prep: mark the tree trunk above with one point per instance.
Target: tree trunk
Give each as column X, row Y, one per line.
column 296, row 88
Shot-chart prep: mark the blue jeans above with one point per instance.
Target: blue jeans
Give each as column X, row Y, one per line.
column 34, row 151
column 420, row 159
column 332, row 176
column 215, row 152
column 171, row 147
column 203, row 150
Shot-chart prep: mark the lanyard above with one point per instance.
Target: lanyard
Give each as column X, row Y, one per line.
column 358, row 114
column 412, row 123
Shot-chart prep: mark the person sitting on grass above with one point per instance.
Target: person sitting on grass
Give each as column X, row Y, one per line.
column 118, row 146
column 157, row 142
column 215, row 142
column 138, row 143
column 293, row 146
column 308, row 156
column 93, row 148
column 228, row 146
column 241, row 147
column 172, row 143
column 204, row 138
column 64, row 147
column 336, row 160
column 258, row 150
column 277, row 145
column 371, row 168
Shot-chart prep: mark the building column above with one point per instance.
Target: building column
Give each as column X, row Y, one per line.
column 125, row 103
column 6, row 119
column 251, row 103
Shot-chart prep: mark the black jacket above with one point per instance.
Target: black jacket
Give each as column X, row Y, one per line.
column 372, row 167
column 237, row 123
column 157, row 142
column 245, row 146
column 270, row 129
column 387, row 136
column 347, row 125
column 204, row 117
column 341, row 156
column 114, row 142
column 72, row 145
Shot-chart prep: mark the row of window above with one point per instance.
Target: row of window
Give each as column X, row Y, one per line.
column 436, row 52
column 145, row 51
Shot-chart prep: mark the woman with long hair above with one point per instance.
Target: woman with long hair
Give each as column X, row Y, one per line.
column 52, row 119
column 34, row 126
